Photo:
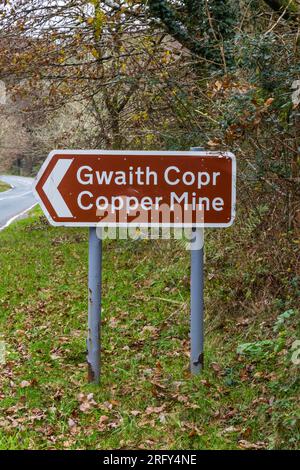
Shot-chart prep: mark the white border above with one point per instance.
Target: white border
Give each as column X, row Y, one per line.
column 137, row 153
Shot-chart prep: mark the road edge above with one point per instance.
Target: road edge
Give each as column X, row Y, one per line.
column 17, row 216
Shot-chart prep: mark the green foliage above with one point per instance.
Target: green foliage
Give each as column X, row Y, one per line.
column 256, row 350
column 205, row 28
column 282, row 319
column 266, row 349
column 264, row 56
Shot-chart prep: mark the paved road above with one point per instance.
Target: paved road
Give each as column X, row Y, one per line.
column 16, row 201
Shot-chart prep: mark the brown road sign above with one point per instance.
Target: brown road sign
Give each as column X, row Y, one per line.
column 123, row 188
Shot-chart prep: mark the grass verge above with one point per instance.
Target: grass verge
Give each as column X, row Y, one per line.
column 4, row 187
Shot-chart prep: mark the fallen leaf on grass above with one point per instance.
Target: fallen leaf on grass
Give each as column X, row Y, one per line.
column 36, row 415
column 246, row 432
column 86, row 402
column 68, row 444
column 184, row 399
column 105, row 424
column 102, row 422
column 47, row 431
column 25, row 384
column 14, row 409
column 4, row 423
column 147, row 331
column 84, row 407
column 181, row 398
column 103, row 419
column 216, row 367
column 114, row 402
column 109, row 405
column 192, row 429
column 243, row 322
column 158, row 390
column 55, row 356
column 156, row 410
column 205, row 383
column 250, row 445
column 229, row 414
column 195, row 432
column 149, row 423
column 229, row 430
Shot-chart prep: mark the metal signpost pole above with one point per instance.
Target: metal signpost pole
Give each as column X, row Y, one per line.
column 94, row 310
column 197, row 303
column 197, row 297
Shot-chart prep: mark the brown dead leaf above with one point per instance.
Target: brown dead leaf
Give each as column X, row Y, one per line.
column 243, row 321
column 86, row 402
column 4, row 423
column 229, row 430
column 216, row 367
column 158, row 384
column 246, row 432
column 181, row 398
column 191, row 428
column 205, row 383
column 55, row 356
column 71, row 423
column 73, row 426
column 243, row 444
column 103, row 419
column 214, row 142
column 195, row 432
column 155, row 409
column 67, row 444
column 102, row 425
column 25, row 384
column 149, row 330
column 114, row 402
column 84, row 407
column 268, row 102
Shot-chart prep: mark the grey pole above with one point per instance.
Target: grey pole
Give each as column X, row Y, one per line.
column 94, row 309
column 197, row 298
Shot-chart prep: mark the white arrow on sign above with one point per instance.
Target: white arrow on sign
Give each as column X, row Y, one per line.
column 50, row 187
